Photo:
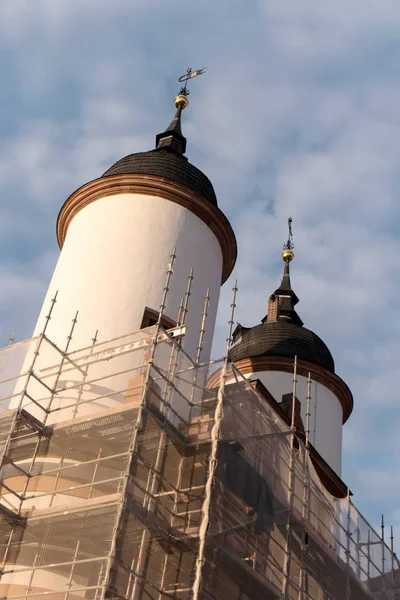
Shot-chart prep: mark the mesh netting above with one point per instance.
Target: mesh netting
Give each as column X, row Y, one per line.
column 124, row 476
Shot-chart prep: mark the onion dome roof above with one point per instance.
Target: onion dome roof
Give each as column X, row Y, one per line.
column 281, row 332
column 280, row 338
column 167, row 160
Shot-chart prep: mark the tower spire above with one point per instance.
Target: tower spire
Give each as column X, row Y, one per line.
column 282, row 302
column 172, row 138
column 287, row 257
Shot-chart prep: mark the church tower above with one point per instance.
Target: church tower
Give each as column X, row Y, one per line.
column 267, row 352
column 116, row 235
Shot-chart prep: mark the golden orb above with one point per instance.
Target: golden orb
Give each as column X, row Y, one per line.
column 181, row 101
column 287, row 255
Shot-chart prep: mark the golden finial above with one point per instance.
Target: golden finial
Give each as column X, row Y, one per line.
column 181, row 101
column 288, row 254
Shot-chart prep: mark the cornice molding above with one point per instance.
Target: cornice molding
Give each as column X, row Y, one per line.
column 331, row 381
column 151, row 185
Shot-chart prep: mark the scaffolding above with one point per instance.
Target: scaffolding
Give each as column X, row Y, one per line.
column 123, row 475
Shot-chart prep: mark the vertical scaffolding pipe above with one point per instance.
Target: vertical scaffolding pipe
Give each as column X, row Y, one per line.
column 69, row 339
column 96, row 468
column 383, row 557
column 348, row 542
column 71, row 573
column 392, row 561
column 199, row 351
column 97, row 590
column 215, row 438
column 38, row 347
column 130, row 579
column 203, row 325
column 306, row 490
column 170, row 271
column 146, row 535
column 29, row 588
column 304, row 520
column 85, row 374
column 186, row 298
column 174, row 355
column 145, row 542
column 75, row 411
column 172, row 525
column 358, row 553
column 23, row 393
column 291, row 484
column 37, row 350
column 315, row 411
column 180, row 311
column 293, row 426
column 40, row 555
column 369, row 555
column 48, row 317
column 308, row 409
column 383, row 544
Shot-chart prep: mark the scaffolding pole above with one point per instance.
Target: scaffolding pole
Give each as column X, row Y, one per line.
column 348, row 542
column 195, row 385
column 37, row 446
column 212, row 463
column 392, row 561
column 36, row 353
column 62, row 362
column 174, row 356
column 308, row 410
column 150, row 506
column 85, row 374
column 172, row 523
column 383, row 544
column 203, row 325
column 306, row 495
column 291, row 491
column 71, row 573
column 139, row 572
column 186, row 298
column 293, row 419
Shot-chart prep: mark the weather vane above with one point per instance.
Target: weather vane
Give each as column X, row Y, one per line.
column 185, row 78
column 289, row 244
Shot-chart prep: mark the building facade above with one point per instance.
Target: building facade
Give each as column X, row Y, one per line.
column 133, row 466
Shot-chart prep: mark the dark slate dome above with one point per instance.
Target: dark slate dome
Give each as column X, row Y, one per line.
column 166, row 163
column 281, row 332
column 281, row 338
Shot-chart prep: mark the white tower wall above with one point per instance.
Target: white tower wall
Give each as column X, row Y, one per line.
column 326, row 412
column 113, row 265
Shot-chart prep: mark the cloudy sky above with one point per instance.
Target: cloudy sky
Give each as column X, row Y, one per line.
column 298, row 116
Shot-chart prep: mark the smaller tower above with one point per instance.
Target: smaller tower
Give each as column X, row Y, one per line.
column 267, row 351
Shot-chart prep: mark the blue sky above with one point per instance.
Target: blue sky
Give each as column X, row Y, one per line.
column 297, row 116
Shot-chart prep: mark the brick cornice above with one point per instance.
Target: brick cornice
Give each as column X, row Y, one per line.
column 151, row 185
column 331, row 381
